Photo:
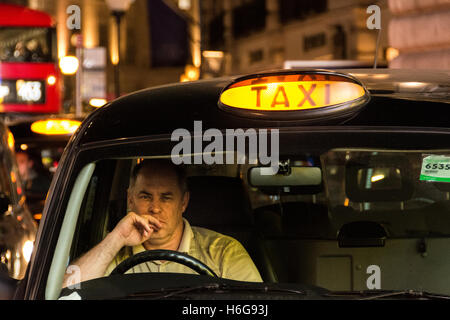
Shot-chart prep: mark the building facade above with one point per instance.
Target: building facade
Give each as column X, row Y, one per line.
column 263, row 34
column 99, row 29
column 420, row 31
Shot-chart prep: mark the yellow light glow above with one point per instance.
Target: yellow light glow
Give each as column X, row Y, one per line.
column 391, row 53
column 55, row 126
column 412, row 85
column 13, row 177
column 184, row 78
column 23, row 146
column 377, row 177
column 97, row 103
column 69, row 65
column 11, row 141
column 191, row 72
column 113, row 43
column 51, row 80
column 184, row 4
column 27, row 250
column 213, row 54
column 380, row 76
column 290, row 95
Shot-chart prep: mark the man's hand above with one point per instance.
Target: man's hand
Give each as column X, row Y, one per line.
column 132, row 230
column 135, row 229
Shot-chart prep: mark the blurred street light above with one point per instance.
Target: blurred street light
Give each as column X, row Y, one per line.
column 97, row 102
column 191, row 73
column 184, row 4
column 119, row 5
column 51, row 80
column 69, row 65
column 213, row 54
column 391, row 54
column 118, row 9
column 213, row 62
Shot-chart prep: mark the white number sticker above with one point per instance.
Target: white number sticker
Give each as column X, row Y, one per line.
column 435, row 168
column 29, row 90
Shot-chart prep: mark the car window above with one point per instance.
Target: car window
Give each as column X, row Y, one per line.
column 389, row 188
column 65, row 239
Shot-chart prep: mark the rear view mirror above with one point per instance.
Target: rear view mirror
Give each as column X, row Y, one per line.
column 294, row 177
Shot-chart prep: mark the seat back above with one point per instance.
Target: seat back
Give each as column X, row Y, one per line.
column 218, row 202
column 222, row 204
column 285, row 227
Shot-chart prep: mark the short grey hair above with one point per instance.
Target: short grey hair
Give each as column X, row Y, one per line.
column 179, row 170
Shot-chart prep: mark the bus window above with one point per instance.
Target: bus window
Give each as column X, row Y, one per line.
column 19, row 44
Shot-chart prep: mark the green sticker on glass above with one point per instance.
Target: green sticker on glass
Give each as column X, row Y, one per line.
column 435, row 168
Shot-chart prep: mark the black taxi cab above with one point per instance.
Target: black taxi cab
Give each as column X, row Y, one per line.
column 337, row 184
column 17, row 228
column 39, row 143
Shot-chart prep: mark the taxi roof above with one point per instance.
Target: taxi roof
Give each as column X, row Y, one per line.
column 407, row 98
column 21, row 129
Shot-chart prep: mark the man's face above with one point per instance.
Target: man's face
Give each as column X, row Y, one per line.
column 24, row 164
column 156, row 192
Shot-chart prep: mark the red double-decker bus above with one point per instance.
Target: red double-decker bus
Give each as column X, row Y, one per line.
column 29, row 76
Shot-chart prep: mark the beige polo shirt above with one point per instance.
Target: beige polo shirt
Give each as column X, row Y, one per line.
column 223, row 254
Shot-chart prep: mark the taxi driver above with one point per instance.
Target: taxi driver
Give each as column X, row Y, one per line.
column 157, row 197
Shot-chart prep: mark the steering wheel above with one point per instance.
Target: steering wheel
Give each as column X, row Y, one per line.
column 169, row 255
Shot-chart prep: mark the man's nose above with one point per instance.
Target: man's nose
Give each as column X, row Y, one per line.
column 155, row 206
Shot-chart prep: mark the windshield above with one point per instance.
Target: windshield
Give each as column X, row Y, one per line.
column 27, row 44
column 363, row 219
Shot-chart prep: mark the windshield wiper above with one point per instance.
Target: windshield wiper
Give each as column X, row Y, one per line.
column 380, row 294
column 164, row 293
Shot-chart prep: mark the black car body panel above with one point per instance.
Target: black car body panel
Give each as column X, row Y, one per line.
column 396, row 116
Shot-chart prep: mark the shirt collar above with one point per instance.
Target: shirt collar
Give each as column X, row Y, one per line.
column 186, row 238
column 185, row 242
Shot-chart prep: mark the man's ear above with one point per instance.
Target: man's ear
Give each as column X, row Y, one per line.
column 185, row 200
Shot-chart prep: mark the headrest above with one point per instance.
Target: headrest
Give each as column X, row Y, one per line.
column 362, row 234
column 305, row 219
column 217, row 201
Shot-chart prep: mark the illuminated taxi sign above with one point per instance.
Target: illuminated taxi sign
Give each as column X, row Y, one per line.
column 294, row 95
column 55, row 126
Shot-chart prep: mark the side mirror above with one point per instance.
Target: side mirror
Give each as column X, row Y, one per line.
column 8, row 285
